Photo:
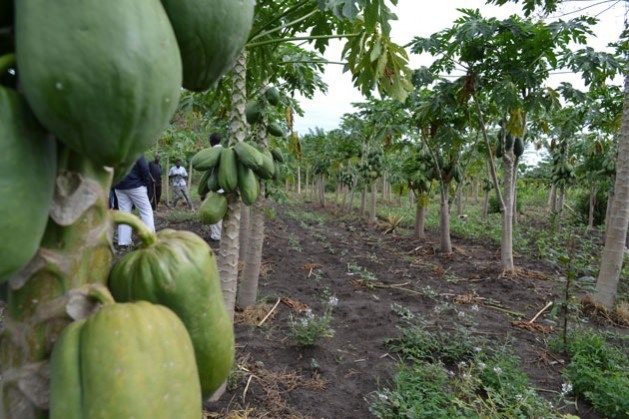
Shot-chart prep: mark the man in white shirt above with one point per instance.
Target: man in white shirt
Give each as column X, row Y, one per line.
column 177, row 176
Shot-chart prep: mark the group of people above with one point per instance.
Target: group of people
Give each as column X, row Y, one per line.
column 142, row 188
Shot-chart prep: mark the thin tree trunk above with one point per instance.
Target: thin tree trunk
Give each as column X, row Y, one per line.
column 243, row 235
column 552, row 198
column 337, row 193
column 74, row 257
column 248, row 290
column 486, row 205
column 372, row 204
column 307, row 185
column 593, row 191
column 299, row 180
column 363, row 201
column 353, row 193
column 345, row 191
column 506, row 245
column 476, row 188
column 616, row 238
column 444, row 227
column 459, row 201
column 608, row 209
column 420, row 215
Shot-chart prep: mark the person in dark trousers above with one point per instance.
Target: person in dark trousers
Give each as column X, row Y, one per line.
column 155, row 185
column 130, row 191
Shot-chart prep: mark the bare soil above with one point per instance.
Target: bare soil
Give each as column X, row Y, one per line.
column 304, row 260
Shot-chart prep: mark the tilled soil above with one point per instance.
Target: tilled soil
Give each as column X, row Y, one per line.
column 306, row 260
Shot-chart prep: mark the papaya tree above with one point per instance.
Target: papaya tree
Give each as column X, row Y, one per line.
column 506, row 63
column 83, row 122
column 615, row 240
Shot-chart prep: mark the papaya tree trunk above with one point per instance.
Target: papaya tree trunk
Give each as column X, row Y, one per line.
column 420, row 215
column 553, row 198
column 506, row 245
column 444, row 227
column 486, row 205
column 616, row 237
column 459, row 202
column 352, row 194
column 608, row 209
column 344, row 201
column 248, row 289
column 363, row 201
column 76, row 252
column 337, row 194
column 243, row 234
column 593, row 191
column 372, row 204
column 230, row 246
column 299, row 180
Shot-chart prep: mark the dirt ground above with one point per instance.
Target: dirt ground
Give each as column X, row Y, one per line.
column 305, row 259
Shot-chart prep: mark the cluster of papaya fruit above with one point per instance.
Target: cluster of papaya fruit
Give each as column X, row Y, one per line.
column 230, row 169
column 256, row 111
column 563, row 169
column 506, row 142
column 102, row 79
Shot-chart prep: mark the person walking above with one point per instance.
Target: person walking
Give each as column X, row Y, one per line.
column 216, row 230
column 155, row 185
column 177, row 176
column 130, row 191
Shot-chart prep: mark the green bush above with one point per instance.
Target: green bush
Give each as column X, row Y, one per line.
column 494, row 208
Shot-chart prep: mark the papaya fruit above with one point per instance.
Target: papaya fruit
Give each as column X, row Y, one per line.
column 266, row 170
column 227, row 171
column 211, row 36
column 202, row 188
column 253, row 112
column 509, row 141
column 207, row 158
column 272, row 96
column 277, row 155
column 248, row 185
column 500, row 148
column 248, row 155
column 213, row 208
column 132, row 360
column 275, row 129
column 212, row 181
column 112, row 76
column 518, row 147
column 28, row 167
column 179, row 271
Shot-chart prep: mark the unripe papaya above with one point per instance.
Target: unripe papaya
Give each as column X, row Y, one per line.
column 248, row 155
column 213, row 208
column 112, row 73
column 253, row 112
column 227, row 171
column 212, row 181
column 277, row 155
column 518, row 147
column 207, row 158
column 272, row 96
column 266, row 170
column 126, row 361
column 508, row 141
column 275, row 129
column 28, row 166
column 211, row 36
column 247, row 185
column 203, row 189
column 179, row 271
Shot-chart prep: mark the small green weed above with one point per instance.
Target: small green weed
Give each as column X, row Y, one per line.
column 293, row 243
column 309, row 328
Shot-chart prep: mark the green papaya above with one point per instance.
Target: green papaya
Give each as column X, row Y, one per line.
column 268, row 168
column 272, row 96
column 227, row 171
column 518, row 147
column 253, row 112
column 126, row 361
column 211, row 36
column 28, row 167
column 112, row 74
column 275, row 129
column 179, row 271
column 203, row 189
column 509, row 141
column 207, row 158
column 277, row 155
column 247, row 185
column 248, row 155
column 212, row 181
column 213, row 208
column 500, row 148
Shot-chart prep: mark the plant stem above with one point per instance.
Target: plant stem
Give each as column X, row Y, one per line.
column 301, row 38
column 147, row 236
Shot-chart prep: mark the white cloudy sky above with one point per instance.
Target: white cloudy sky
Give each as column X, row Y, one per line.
column 423, row 18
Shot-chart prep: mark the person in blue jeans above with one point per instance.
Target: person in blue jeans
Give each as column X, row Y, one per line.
column 133, row 190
